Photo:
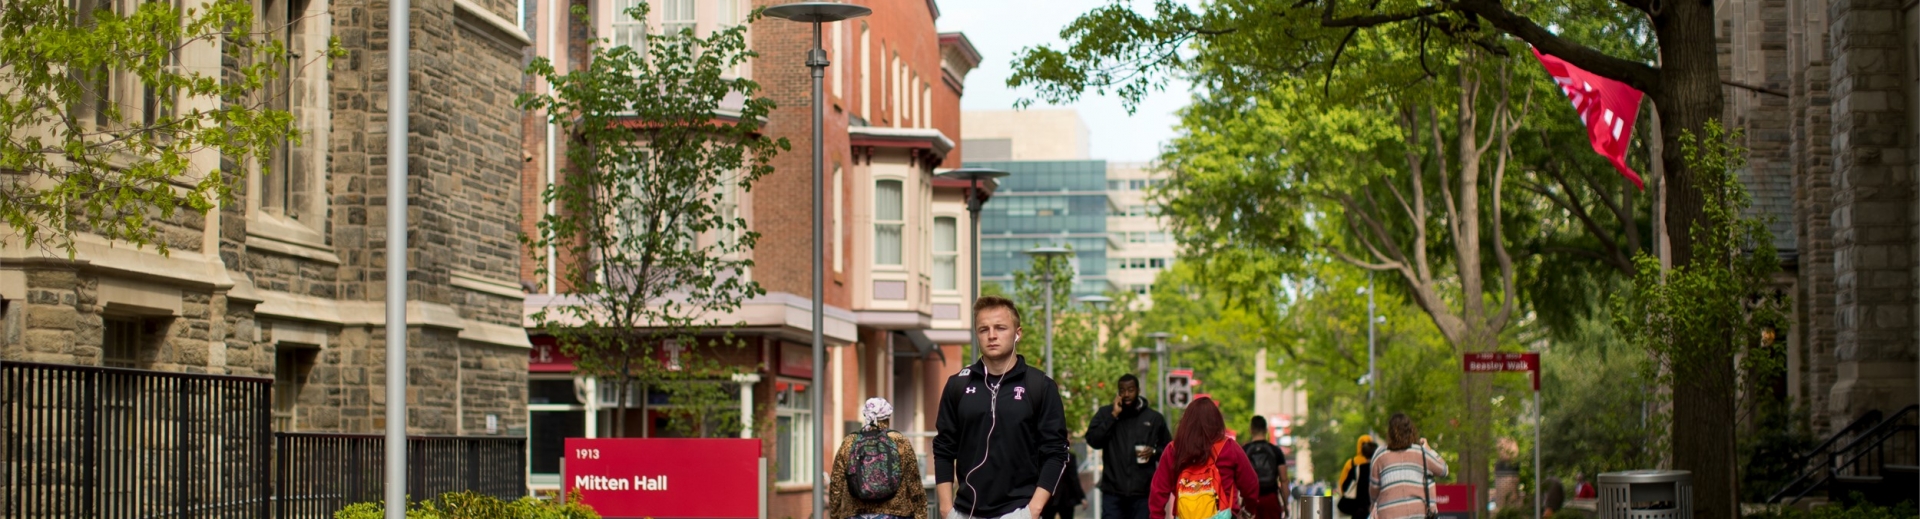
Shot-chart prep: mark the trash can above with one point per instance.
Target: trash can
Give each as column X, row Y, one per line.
column 1646, row 494
column 1312, row 507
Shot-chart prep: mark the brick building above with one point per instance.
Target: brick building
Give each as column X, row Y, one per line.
column 287, row 281
column 1832, row 129
column 896, row 258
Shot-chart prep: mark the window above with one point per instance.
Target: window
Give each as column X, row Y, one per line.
column 726, row 202
column 793, row 410
column 555, row 413
column 865, row 72
column 1116, row 185
column 118, row 90
column 121, row 342
column 1142, row 289
column 839, row 234
column 676, row 16
column 284, row 175
column 946, row 252
column 626, row 30
column 1136, row 184
column 1156, row 263
column 889, row 221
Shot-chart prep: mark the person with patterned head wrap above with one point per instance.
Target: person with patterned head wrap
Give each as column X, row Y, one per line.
column 909, row 502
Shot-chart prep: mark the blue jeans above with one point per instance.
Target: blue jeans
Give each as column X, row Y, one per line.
column 1115, row 506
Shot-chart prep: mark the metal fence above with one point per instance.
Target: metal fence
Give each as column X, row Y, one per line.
column 320, row 473
column 83, row 441
column 86, row 441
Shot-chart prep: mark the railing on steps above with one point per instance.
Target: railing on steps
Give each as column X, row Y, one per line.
column 1889, row 441
column 1820, row 460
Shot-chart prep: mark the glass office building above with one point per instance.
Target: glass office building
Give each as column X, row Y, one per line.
column 1054, row 202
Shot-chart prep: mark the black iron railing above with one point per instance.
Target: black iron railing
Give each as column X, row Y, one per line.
column 83, row 441
column 318, row 473
column 86, row 441
column 1861, row 450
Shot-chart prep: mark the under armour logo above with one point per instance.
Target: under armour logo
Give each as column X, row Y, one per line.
column 966, row 371
column 970, row 390
column 1019, row 391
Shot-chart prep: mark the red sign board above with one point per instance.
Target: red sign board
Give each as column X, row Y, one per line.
column 1499, row 362
column 546, row 357
column 681, row 478
column 1453, row 498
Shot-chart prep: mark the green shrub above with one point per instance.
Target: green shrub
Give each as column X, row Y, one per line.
column 470, row 505
column 1861, row 509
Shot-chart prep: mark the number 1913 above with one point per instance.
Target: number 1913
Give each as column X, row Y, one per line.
column 586, row 454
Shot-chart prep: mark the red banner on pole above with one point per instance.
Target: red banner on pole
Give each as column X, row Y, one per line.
column 1606, row 107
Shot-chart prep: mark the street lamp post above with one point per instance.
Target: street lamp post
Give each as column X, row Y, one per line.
column 1046, row 255
column 975, row 199
column 1160, row 360
column 817, row 13
column 1098, row 302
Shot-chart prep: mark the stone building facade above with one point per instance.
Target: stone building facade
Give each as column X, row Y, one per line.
column 287, row 279
column 1830, row 121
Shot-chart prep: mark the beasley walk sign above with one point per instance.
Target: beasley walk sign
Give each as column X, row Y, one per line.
column 1497, row 362
column 1502, row 362
column 667, row 477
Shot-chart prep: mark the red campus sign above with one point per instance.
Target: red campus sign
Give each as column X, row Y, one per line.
column 1496, row 362
column 666, row 478
column 1453, row 499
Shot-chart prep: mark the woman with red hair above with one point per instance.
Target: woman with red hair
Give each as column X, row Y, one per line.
column 1202, row 474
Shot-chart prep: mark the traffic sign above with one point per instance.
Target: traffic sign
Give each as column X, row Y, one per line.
column 1179, row 386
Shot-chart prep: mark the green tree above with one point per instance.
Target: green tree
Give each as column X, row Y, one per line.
column 1259, row 45
column 1708, row 322
column 1084, row 365
column 106, row 132
column 649, row 245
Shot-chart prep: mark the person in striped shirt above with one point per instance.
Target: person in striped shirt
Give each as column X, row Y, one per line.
column 1403, row 473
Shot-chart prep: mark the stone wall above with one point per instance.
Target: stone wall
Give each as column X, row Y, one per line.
column 1873, row 217
column 1810, row 362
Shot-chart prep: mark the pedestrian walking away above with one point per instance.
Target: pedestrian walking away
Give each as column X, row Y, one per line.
column 1001, row 444
column 1069, row 496
column 1130, row 435
column 1403, row 474
column 875, row 473
column 1203, row 474
column 1356, row 480
column 1269, row 468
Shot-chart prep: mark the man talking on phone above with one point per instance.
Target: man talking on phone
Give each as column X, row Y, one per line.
column 1130, row 436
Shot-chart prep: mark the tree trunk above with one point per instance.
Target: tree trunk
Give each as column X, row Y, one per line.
column 1477, row 429
column 1688, row 95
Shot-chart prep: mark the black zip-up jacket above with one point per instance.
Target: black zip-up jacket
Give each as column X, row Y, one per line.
column 1116, row 437
column 997, row 443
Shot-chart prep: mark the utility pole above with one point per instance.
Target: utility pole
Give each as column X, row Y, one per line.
column 1373, row 379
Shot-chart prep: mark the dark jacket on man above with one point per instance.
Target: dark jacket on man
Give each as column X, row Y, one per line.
column 1116, row 438
column 999, row 441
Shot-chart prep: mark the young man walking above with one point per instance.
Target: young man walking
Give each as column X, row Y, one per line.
column 1130, row 436
column 1270, row 467
column 1002, row 444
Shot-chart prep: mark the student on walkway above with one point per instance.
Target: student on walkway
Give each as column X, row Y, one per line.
column 1130, row 435
column 1270, row 467
column 1403, row 474
column 1002, row 444
column 875, row 474
column 1356, row 480
column 1203, row 474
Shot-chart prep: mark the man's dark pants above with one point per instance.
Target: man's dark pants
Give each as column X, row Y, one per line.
column 1115, row 506
column 1268, row 507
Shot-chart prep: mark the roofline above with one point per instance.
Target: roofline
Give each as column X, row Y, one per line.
column 934, row 9
column 927, row 138
column 959, row 39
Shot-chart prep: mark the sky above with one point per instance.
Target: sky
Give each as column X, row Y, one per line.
column 998, row 32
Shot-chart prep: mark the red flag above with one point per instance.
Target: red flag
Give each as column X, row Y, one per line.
column 1607, row 107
